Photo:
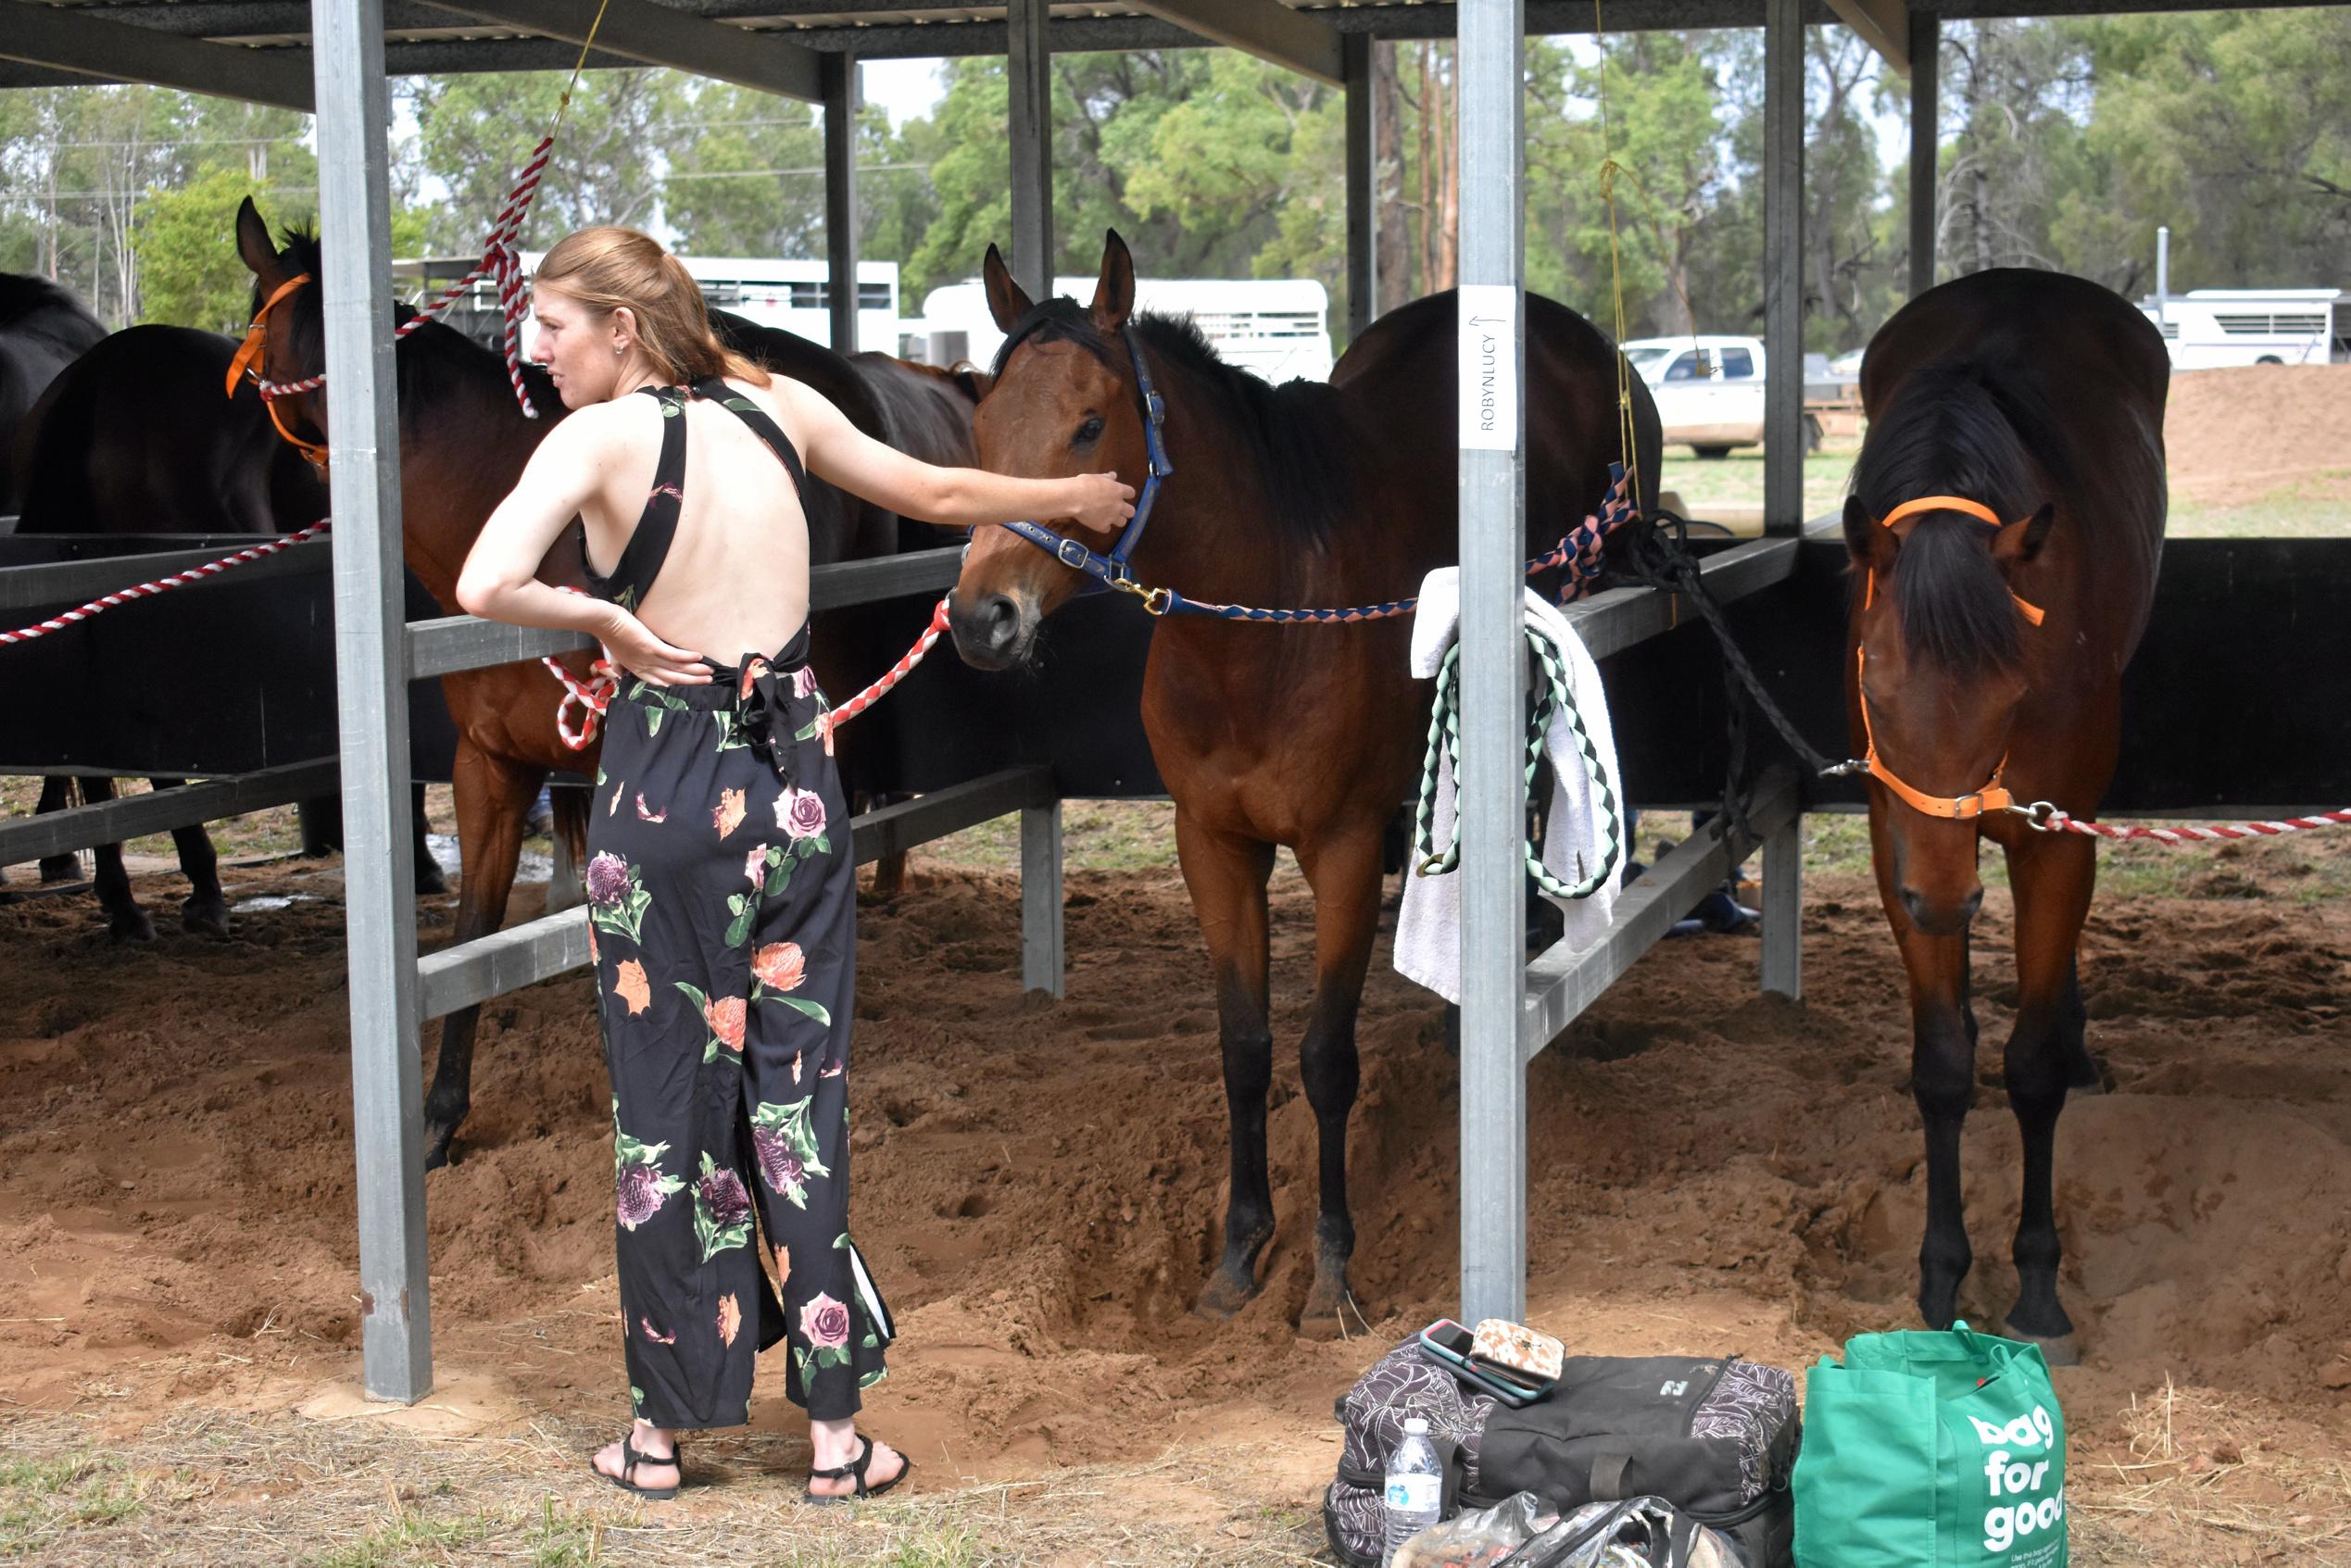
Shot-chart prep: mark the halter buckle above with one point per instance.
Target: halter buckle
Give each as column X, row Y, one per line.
column 1073, row 554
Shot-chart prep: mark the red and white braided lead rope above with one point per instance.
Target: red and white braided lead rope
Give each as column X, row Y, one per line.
column 2058, row 821
column 893, row 675
column 594, row 696
column 500, row 260
column 163, row 584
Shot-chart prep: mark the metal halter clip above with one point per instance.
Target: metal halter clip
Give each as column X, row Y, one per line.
column 1846, row 768
column 2040, row 815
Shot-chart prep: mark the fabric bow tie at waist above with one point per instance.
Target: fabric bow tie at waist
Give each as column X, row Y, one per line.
column 757, row 707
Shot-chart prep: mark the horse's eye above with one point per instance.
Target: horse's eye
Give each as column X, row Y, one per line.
column 1089, row 432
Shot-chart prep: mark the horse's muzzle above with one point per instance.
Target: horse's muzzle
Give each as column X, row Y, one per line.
column 991, row 631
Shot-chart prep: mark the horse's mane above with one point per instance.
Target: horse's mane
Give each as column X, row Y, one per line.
column 434, row 361
column 32, row 306
column 1293, row 435
column 1958, row 430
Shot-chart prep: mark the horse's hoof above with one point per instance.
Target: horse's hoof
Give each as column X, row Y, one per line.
column 1332, row 1312
column 131, row 926
column 2062, row 1350
column 208, row 918
column 61, row 868
column 1222, row 1296
column 430, row 881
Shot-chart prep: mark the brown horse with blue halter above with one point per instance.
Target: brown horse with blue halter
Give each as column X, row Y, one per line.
column 1270, row 726
column 2006, row 519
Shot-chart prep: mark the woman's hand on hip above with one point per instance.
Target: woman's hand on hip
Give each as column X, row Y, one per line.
column 629, row 643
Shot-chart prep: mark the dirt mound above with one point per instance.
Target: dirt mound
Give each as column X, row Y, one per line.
column 2244, row 431
column 1039, row 1183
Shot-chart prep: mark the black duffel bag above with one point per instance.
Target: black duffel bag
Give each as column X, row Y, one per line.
column 1715, row 1436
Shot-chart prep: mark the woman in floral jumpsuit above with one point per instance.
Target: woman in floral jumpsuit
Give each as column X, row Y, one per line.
column 721, row 892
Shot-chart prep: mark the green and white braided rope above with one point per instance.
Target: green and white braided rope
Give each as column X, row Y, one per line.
column 1551, row 694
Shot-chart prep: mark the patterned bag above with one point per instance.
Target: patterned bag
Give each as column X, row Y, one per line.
column 1716, row 1437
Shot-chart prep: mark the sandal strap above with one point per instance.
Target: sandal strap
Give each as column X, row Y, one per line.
column 854, row 1470
column 631, row 1458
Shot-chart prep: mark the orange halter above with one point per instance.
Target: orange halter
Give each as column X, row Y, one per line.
column 1993, row 795
column 247, row 362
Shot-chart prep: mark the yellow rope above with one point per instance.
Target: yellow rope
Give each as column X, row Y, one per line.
column 1628, row 437
column 563, row 105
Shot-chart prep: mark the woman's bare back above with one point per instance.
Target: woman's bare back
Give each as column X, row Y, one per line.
column 734, row 581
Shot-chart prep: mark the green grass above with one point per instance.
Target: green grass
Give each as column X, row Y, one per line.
column 43, row 1499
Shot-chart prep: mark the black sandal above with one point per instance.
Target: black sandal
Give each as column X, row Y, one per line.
column 631, row 1458
column 855, row 1471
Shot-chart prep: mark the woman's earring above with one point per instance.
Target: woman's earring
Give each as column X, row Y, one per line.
column 618, row 349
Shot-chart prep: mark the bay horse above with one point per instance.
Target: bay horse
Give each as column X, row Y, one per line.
column 133, row 436
column 2006, row 525
column 463, row 444
column 1304, row 735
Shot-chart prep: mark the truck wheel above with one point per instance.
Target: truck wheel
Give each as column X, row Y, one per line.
column 1712, row 454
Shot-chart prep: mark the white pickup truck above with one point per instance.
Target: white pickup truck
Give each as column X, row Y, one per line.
column 1709, row 391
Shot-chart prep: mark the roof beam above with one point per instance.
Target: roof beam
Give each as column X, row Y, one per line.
column 108, row 51
column 1884, row 25
column 1267, row 29
column 662, row 37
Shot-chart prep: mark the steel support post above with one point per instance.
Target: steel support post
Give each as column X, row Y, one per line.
column 370, row 648
column 1492, row 356
column 1783, row 162
column 838, row 74
column 1783, row 909
column 1028, row 72
column 1041, row 959
column 1363, row 186
column 1926, row 110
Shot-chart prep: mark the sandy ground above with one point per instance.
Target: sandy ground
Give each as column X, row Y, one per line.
column 1039, row 1190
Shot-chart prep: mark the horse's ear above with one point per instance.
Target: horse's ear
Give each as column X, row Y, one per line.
column 1114, row 290
column 253, row 245
column 1007, row 301
column 2018, row 543
column 1873, row 548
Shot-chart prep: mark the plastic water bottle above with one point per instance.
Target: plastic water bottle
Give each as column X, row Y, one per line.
column 1415, row 1488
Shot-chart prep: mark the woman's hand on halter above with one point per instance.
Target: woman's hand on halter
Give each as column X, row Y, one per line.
column 629, row 645
column 1099, row 501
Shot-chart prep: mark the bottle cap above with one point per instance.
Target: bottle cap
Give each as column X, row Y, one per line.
column 1415, row 1427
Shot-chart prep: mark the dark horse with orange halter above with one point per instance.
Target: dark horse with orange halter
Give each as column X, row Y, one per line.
column 2007, row 520
column 1306, row 736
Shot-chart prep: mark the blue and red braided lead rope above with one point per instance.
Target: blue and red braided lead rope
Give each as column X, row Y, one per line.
column 1579, row 553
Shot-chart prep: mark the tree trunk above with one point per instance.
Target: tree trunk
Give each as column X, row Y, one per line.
column 1448, row 271
column 1387, row 184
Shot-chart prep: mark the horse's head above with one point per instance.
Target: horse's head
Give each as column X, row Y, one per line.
column 1940, row 668
column 1062, row 401
column 288, row 340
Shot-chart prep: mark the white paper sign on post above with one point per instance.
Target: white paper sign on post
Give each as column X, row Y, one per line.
column 1489, row 367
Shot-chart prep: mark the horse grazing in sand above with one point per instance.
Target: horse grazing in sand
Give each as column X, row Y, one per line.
column 2006, row 525
column 463, row 444
column 134, row 437
column 1306, row 735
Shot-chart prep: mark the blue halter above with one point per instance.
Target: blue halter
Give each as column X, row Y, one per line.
column 1110, row 570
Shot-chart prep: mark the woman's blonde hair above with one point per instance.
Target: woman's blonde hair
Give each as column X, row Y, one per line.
column 605, row 269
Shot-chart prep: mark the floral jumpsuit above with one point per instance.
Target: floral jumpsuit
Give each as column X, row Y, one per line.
column 722, row 908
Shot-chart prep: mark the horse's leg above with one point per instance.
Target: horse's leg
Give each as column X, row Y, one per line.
column 2053, row 876
column 56, row 794
column 1943, row 1080
column 205, row 912
column 2085, row 1074
column 1226, row 878
column 491, row 795
column 430, row 879
column 125, row 921
column 1343, row 870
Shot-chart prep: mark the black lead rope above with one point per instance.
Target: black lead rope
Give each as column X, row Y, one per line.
column 1658, row 554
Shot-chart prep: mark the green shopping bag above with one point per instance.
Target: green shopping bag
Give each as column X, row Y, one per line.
column 1931, row 1450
